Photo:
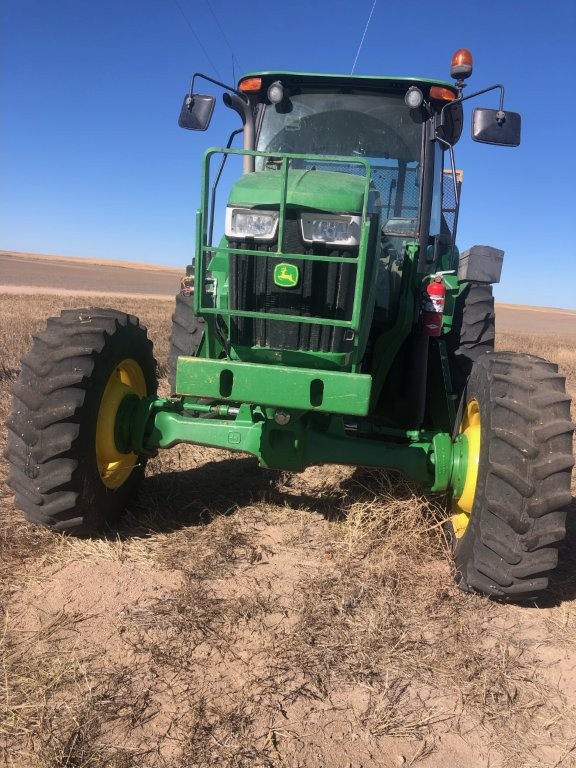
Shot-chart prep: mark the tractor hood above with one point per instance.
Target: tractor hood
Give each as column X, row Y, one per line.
column 319, row 190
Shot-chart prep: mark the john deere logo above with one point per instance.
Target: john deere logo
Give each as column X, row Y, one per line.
column 286, row 275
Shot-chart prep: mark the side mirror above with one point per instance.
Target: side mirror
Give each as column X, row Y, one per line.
column 491, row 126
column 196, row 112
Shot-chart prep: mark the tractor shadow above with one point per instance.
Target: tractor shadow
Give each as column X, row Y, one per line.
column 169, row 501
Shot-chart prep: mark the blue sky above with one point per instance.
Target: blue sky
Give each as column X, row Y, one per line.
column 93, row 163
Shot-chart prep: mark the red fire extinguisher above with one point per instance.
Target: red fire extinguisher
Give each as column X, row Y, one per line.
column 433, row 309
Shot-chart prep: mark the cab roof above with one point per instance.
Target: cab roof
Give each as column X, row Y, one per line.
column 361, row 81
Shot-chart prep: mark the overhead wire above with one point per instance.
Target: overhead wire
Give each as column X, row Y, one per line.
column 187, row 20
column 234, row 59
column 363, row 36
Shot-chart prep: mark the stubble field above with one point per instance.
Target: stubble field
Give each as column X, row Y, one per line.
column 246, row 617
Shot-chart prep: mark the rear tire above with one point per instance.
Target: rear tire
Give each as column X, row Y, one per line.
column 65, row 468
column 187, row 335
column 472, row 334
column 511, row 516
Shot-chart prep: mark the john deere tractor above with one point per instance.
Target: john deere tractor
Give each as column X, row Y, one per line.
column 332, row 320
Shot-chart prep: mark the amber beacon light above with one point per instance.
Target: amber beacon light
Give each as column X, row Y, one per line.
column 461, row 64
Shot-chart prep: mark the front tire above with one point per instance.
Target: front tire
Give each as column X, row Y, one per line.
column 65, row 468
column 510, row 516
column 187, row 334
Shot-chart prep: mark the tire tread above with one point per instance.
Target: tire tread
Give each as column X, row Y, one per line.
column 48, row 412
column 511, row 543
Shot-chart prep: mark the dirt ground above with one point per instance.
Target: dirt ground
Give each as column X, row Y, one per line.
column 542, row 321
column 21, row 272
column 243, row 617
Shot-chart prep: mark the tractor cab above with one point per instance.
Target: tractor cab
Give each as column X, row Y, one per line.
column 357, row 118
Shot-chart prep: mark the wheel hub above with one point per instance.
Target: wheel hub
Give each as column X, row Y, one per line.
column 465, row 476
column 114, row 465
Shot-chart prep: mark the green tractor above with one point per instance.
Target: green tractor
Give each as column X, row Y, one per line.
column 334, row 321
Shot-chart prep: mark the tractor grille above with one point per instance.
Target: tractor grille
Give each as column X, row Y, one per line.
column 325, row 290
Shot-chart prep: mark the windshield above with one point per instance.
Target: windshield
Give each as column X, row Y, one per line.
column 377, row 127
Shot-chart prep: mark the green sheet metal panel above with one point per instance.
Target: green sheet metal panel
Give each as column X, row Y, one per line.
column 275, row 386
column 320, row 190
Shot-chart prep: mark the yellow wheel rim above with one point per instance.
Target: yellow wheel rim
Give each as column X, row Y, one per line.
column 470, row 427
column 115, row 467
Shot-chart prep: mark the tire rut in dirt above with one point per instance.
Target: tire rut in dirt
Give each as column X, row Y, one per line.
column 51, row 448
column 518, row 516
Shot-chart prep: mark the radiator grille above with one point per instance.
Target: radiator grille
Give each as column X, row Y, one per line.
column 325, row 290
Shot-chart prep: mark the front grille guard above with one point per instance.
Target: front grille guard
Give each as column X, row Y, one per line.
column 204, row 291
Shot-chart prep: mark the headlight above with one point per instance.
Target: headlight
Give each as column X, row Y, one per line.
column 248, row 222
column 337, row 230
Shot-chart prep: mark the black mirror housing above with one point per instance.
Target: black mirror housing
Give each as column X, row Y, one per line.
column 451, row 123
column 491, row 126
column 196, row 112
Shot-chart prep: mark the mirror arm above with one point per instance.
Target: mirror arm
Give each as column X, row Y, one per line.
column 501, row 115
column 216, row 82
column 479, row 93
column 245, row 113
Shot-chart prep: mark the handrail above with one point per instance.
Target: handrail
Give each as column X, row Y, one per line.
column 205, row 251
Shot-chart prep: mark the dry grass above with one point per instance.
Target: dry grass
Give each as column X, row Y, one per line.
column 32, row 311
column 300, row 620
column 54, row 708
